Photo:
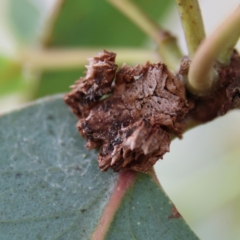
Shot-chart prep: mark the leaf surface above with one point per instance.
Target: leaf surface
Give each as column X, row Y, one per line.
column 94, row 23
column 98, row 23
column 146, row 213
column 11, row 79
column 51, row 187
column 25, row 18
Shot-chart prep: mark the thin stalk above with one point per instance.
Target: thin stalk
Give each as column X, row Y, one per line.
column 169, row 51
column 50, row 23
column 225, row 55
column 192, row 23
column 227, row 51
column 167, row 45
column 202, row 76
column 52, row 59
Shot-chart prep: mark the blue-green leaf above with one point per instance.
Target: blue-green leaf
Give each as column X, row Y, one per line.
column 25, row 18
column 51, row 187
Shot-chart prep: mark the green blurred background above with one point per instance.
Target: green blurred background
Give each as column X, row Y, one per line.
column 44, row 45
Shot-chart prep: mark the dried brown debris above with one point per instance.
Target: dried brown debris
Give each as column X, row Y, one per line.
column 133, row 125
column 132, row 113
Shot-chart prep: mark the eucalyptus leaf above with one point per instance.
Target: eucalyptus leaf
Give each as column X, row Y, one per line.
column 53, row 82
column 11, row 79
column 94, row 23
column 26, row 18
column 98, row 23
column 146, row 213
column 51, row 187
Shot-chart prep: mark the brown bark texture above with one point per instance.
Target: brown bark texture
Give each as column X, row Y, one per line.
column 132, row 113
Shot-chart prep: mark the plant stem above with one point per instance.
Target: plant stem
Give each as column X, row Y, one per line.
column 169, row 51
column 226, row 52
column 51, row 59
column 202, row 76
column 167, row 45
column 50, row 23
column 192, row 23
